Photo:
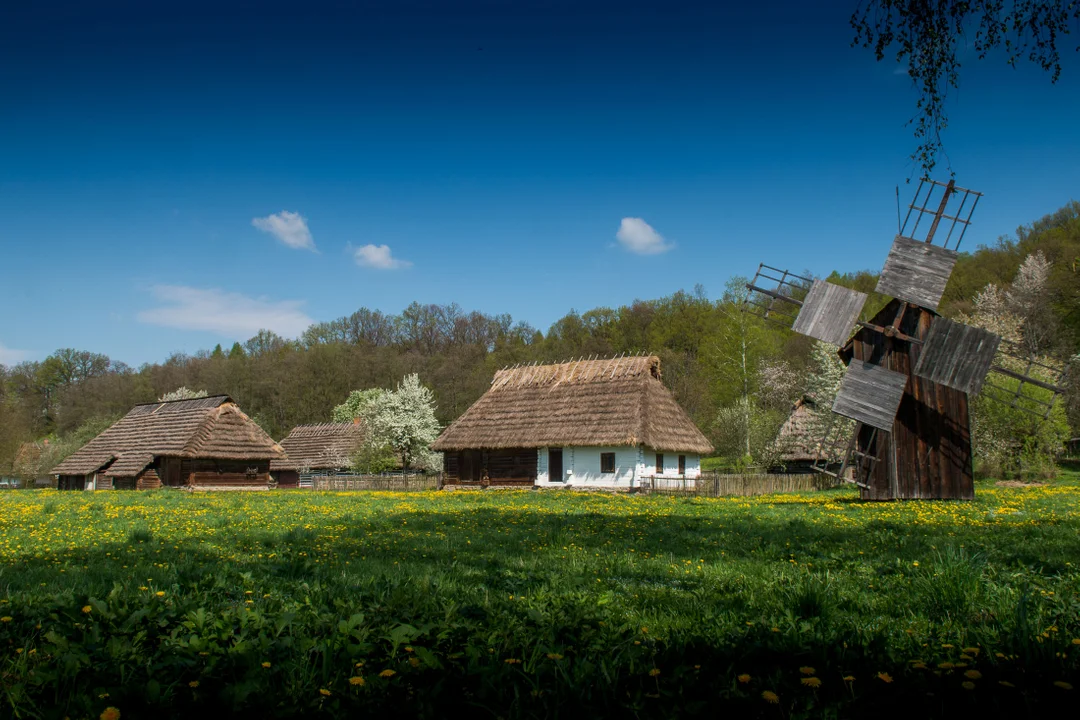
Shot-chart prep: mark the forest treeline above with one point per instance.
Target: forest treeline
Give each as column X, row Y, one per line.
column 713, row 356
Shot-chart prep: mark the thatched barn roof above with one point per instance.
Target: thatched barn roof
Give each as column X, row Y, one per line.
column 615, row 402
column 325, row 446
column 207, row 428
column 799, row 439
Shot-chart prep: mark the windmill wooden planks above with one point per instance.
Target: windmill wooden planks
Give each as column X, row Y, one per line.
column 957, row 355
column 916, row 272
column 829, row 312
column 870, row 394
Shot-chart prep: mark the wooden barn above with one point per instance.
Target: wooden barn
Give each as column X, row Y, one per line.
column 587, row 423
column 928, row 452
column 324, row 449
column 201, row 444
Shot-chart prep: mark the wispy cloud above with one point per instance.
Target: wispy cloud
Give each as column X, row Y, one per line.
column 638, row 237
column 227, row 313
column 10, row 356
column 378, row 257
column 288, row 227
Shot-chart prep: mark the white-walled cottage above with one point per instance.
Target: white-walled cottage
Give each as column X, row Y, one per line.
column 587, row 423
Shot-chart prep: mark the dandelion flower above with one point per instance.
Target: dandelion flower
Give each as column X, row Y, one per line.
column 5, row 619
column 1005, row 683
column 324, row 692
column 1075, row 641
column 744, row 678
column 414, row 661
column 554, row 656
column 160, row 593
column 193, row 684
column 1062, row 684
column 971, row 650
column 356, row 680
column 387, row 673
column 884, row 677
column 849, row 678
column 654, row 672
column 946, row 665
column 512, row 661
column 972, row 674
column 87, row 609
column 770, row 697
column 110, row 713
column 266, row 664
column 807, row 670
column 408, row 648
column 812, row 682
column 967, row 685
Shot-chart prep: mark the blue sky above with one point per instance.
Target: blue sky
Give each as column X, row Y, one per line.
column 171, row 178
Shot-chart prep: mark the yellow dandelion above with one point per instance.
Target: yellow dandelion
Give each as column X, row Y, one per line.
column 972, row 674
column 967, row 685
column 87, row 609
column 971, row 650
column 110, row 713
column 744, row 678
column 512, row 661
column 408, row 648
column 324, row 692
column 357, row 680
column 1005, row 683
column 946, row 665
column 770, row 697
column 1062, row 684
column 884, row 677
column 387, row 673
column 849, row 678
column 193, row 684
column 812, row 682
column 414, row 661
column 160, row 593
column 143, row 588
column 807, row 670
column 1075, row 641
column 654, row 672
column 266, row 664
column 554, row 656
column 5, row 619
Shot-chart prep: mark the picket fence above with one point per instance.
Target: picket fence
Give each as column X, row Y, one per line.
column 719, row 485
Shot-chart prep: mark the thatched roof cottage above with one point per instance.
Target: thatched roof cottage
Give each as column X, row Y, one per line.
column 600, row 423
column 325, row 448
column 205, row 443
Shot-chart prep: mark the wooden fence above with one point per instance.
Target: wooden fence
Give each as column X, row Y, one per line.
column 391, row 483
column 717, row 485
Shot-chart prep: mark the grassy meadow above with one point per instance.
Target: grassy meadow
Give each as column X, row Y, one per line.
column 539, row 604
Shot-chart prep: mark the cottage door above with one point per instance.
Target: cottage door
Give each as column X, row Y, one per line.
column 555, row 469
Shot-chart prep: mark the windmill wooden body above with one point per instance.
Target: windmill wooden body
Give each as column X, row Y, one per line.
column 909, row 371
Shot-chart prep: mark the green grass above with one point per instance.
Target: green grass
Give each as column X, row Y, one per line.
column 538, row 604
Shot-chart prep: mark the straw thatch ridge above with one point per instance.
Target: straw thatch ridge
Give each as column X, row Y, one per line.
column 208, row 428
column 325, row 446
column 613, row 402
column 799, row 438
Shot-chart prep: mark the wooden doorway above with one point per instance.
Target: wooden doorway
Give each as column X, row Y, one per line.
column 555, row 468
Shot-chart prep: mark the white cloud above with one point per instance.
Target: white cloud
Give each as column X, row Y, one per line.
column 227, row 313
column 288, row 227
column 379, row 257
column 638, row 237
column 10, row 356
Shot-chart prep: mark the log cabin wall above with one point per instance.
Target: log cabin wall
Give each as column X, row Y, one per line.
column 516, row 466
column 928, row 454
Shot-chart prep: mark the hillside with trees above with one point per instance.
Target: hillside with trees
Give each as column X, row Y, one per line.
column 736, row 376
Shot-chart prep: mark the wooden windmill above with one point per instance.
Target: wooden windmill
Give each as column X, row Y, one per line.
column 909, row 371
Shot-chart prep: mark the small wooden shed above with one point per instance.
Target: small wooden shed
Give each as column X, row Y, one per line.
column 206, row 444
column 324, row 448
column 589, row 423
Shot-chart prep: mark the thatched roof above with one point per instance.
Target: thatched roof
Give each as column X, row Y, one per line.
column 208, row 428
column 615, row 402
column 325, row 446
column 799, row 439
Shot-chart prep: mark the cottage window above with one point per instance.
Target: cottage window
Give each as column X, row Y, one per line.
column 659, row 463
column 607, row 462
column 682, row 464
